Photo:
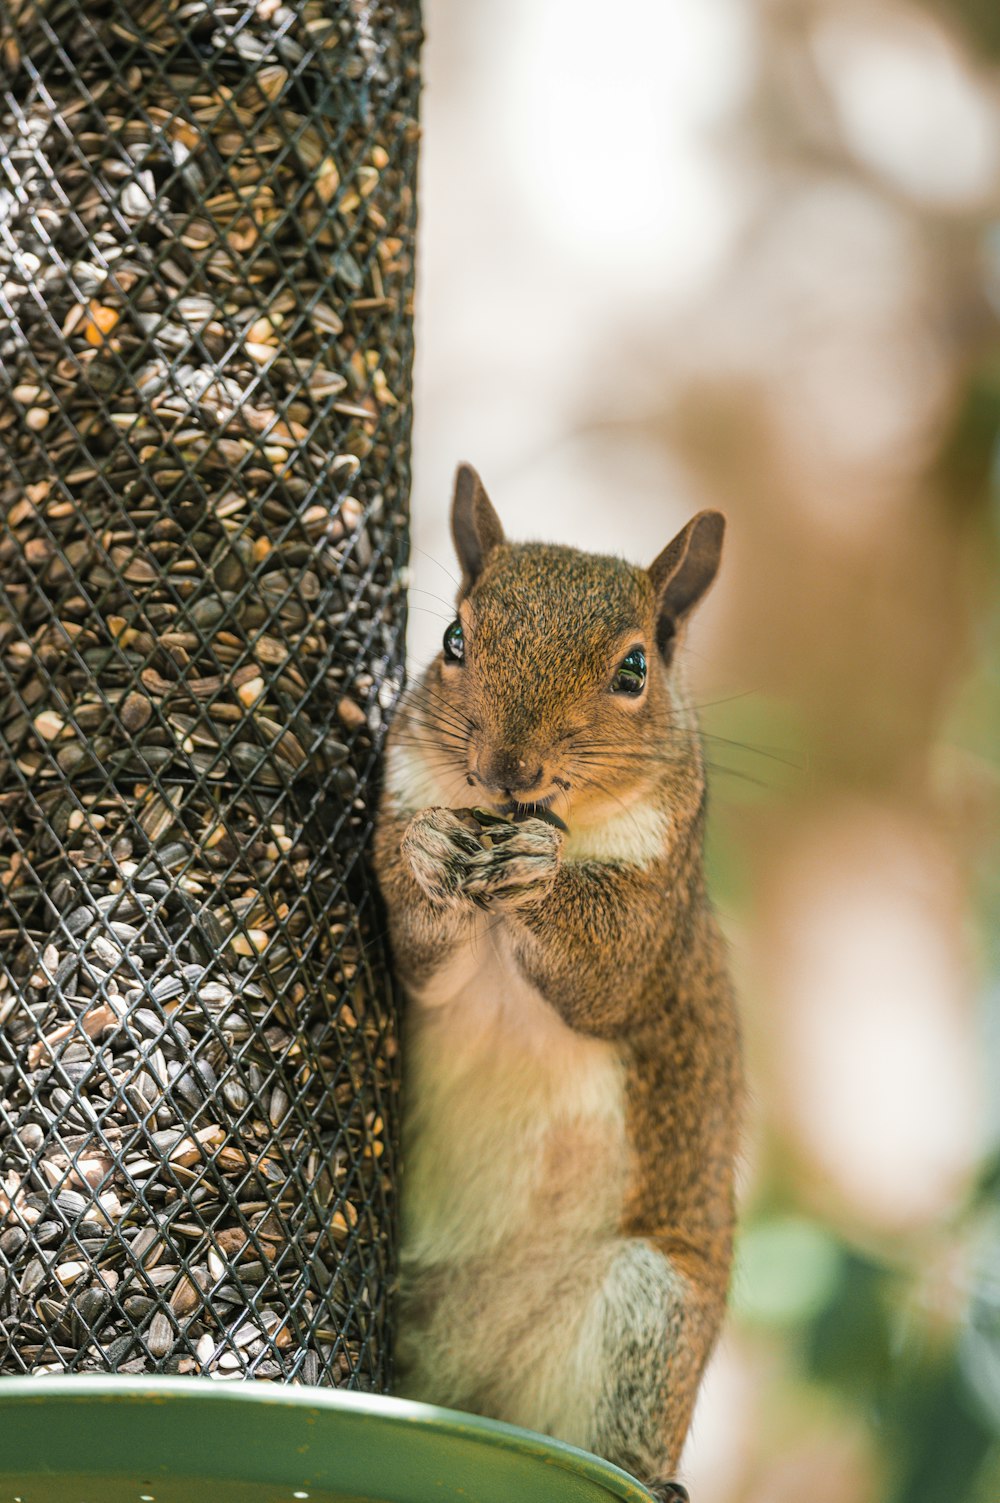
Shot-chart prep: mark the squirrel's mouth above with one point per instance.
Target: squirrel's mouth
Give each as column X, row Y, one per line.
column 539, row 809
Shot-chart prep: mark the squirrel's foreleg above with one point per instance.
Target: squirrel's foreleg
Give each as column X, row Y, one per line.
column 428, row 918
column 593, row 945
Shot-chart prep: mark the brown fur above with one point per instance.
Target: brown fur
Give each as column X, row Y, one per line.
column 626, row 951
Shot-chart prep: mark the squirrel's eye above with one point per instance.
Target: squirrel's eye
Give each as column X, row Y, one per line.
column 454, row 643
column 631, row 675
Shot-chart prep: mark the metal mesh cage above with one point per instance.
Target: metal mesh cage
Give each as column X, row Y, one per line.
column 206, row 256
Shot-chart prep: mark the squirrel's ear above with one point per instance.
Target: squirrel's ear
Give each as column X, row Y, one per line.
column 475, row 526
column 683, row 572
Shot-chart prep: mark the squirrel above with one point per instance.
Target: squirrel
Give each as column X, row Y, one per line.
column 572, row 1078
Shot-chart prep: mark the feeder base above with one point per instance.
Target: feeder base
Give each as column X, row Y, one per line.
column 191, row 1440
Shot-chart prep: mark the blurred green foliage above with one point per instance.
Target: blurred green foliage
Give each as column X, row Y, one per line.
column 860, row 1333
column 979, row 19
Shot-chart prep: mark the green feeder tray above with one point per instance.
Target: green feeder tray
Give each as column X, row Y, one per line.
column 191, row 1440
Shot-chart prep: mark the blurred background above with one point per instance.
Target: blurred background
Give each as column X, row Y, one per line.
column 746, row 254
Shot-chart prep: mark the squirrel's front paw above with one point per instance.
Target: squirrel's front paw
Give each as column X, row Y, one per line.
column 459, row 864
column 440, row 849
column 517, row 867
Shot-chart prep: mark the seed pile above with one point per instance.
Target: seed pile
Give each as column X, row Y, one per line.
column 191, row 1167
column 206, row 234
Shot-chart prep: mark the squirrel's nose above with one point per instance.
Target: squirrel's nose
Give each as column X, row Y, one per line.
column 506, row 772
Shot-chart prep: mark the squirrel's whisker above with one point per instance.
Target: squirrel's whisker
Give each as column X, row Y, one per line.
column 709, row 704
column 422, row 688
column 757, row 751
column 737, row 772
column 426, row 610
column 437, row 564
column 602, row 787
column 442, row 714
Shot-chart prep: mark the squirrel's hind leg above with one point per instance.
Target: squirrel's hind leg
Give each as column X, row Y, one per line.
column 657, row 1331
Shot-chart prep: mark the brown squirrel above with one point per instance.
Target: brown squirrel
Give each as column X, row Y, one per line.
column 572, row 1078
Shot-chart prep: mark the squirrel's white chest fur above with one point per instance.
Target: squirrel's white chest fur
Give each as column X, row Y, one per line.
column 515, row 1151
column 504, row 1103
